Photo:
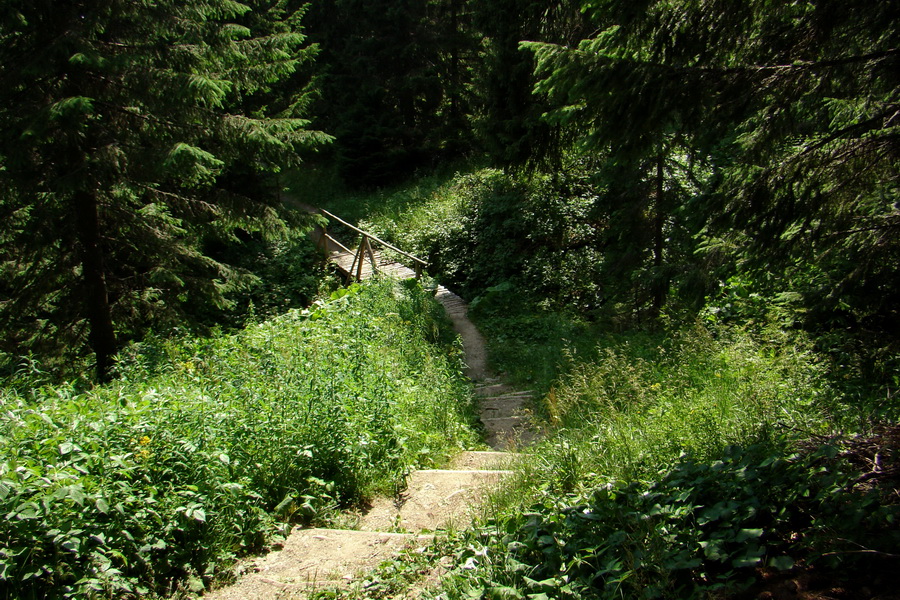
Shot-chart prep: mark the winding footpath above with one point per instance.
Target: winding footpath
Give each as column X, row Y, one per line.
column 434, row 500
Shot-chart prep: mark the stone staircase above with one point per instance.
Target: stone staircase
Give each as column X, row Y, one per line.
column 309, row 559
column 433, row 501
column 506, row 418
column 503, row 408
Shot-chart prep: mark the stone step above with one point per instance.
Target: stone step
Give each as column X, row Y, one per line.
column 493, row 389
column 495, row 408
column 480, row 460
column 434, row 499
column 315, row 558
column 529, row 393
column 503, row 433
column 450, row 297
column 499, row 423
column 454, row 305
column 456, row 310
column 510, row 396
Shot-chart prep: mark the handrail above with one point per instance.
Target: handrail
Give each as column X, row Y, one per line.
column 369, row 235
column 337, row 243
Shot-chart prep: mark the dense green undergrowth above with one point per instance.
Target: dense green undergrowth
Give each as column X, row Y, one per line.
column 697, row 529
column 678, row 466
column 683, row 456
column 641, row 401
column 670, row 466
column 192, row 457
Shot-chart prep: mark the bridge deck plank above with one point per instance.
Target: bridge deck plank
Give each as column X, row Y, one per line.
column 344, row 262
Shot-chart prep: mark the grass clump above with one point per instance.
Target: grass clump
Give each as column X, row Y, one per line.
column 646, row 399
column 635, row 403
column 151, row 483
column 700, row 529
column 678, row 466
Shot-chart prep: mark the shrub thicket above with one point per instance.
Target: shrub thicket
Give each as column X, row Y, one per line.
column 202, row 445
column 701, row 529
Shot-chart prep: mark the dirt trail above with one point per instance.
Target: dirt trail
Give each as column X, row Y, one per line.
column 473, row 342
column 433, row 500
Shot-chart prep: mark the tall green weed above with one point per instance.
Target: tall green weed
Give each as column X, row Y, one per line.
column 202, row 445
column 639, row 406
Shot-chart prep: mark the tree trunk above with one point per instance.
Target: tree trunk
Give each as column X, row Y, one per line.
column 97, row 308
column 455, row 85
column 660, row 282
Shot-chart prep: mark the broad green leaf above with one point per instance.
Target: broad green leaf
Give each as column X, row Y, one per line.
column 76, row 494
column 27, row 510
column 102, row 505
column 284, row 504
column 782, row 563
column 504, row 593
column 748, row 534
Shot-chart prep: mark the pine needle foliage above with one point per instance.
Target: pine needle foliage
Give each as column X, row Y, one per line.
column 125, row 148
column 508, row 118
column 791, row 107
column 395, row 81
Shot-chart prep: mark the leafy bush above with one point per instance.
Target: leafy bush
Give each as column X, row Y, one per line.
column 644, row 399
column 700, row 528
column 190, row 458
column 285, row 273
column 488, row 227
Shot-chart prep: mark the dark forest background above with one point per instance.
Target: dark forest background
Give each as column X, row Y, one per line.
column 670, row 158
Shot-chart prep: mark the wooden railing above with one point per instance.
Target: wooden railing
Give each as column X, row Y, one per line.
column 365, row 248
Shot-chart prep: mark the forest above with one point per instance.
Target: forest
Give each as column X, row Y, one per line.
column 677, row 221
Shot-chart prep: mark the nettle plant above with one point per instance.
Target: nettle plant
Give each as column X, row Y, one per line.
column 701, row 527
column 203, row 446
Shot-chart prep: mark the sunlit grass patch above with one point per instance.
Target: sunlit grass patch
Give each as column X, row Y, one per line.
column 203, row 445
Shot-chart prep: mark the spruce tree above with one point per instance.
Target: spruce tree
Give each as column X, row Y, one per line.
column 118, row 130
column 508, row 119
column 394, row 77
column 790, row 110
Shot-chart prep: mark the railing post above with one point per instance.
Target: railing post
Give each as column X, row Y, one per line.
column 365, row 247
column 361, row 257
column 371, row 254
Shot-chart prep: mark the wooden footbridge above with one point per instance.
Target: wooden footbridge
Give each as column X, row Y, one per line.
column 366, row 260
